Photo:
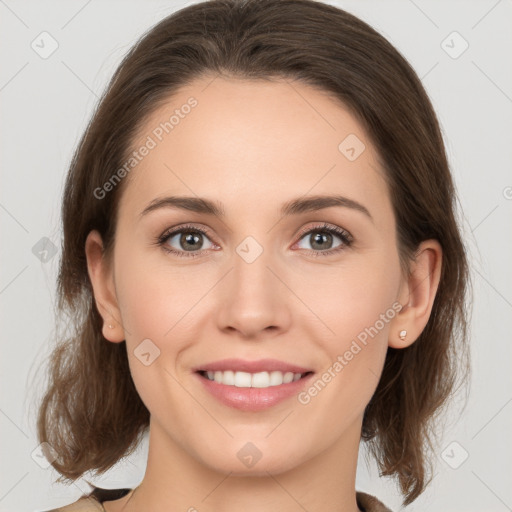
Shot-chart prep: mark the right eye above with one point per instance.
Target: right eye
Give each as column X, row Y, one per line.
column 188, row 241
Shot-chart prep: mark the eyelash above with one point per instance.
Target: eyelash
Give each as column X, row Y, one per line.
column 344, row 235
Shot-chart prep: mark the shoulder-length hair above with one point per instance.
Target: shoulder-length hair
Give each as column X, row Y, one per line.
column 91, row 413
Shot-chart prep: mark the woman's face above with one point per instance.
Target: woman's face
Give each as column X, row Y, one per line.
column 268, row 279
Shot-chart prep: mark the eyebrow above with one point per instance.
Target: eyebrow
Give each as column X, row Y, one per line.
column 293, row 207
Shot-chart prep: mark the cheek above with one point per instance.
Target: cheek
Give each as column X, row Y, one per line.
column 358, row 305
column 158, row 302
column 154, row 303
column 369, row 296
column 350, row 298
column 152, row 295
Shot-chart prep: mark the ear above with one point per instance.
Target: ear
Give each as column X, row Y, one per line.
column 417, row 295
column 102, row 280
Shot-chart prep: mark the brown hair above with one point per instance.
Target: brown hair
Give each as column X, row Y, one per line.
column 91, row 413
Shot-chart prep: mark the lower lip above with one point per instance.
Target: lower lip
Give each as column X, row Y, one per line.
column 253, row 399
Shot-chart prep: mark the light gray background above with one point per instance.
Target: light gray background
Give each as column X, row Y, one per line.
column 46, row 104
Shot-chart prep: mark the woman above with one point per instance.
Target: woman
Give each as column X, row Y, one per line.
column 263, row 260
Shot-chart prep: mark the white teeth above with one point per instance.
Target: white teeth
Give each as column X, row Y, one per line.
column 260, row 380
column 228, row 378
column 242, row 379
column 254, row 380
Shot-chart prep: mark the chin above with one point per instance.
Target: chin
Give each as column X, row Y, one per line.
column 248, row 460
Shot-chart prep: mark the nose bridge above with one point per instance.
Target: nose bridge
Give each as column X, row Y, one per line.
column 251, row 273
column 253, row 299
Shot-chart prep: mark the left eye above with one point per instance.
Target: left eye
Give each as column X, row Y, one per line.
column 322, row 239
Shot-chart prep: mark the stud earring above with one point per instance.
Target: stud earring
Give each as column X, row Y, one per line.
column 110, row 326
column 402, row 334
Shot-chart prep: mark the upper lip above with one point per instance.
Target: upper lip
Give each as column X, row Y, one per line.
column 242, row 365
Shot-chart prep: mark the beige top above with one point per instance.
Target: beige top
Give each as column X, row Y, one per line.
column 92, row 502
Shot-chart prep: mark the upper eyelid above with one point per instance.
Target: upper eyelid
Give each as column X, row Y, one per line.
column 178, row 229
column 325, row 226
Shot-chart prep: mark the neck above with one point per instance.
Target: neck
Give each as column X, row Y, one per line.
column 175, row 480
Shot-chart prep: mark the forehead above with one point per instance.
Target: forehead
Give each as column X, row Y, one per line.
column 248, row 142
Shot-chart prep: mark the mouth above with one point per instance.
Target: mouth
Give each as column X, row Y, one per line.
column 252, row 392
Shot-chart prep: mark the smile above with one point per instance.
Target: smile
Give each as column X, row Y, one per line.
column 252, row 391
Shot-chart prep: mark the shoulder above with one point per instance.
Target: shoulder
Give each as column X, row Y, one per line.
column 369, row 503
column 92, row 502
column 84, row 504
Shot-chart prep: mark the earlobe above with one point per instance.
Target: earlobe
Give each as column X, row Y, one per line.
column 102, row 283
column 417, row 295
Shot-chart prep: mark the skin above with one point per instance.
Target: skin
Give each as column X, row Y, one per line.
column 254, row 145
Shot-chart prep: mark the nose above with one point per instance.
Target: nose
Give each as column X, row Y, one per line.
column 254, row 301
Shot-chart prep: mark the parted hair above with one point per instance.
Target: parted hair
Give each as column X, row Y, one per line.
column 90, row 411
